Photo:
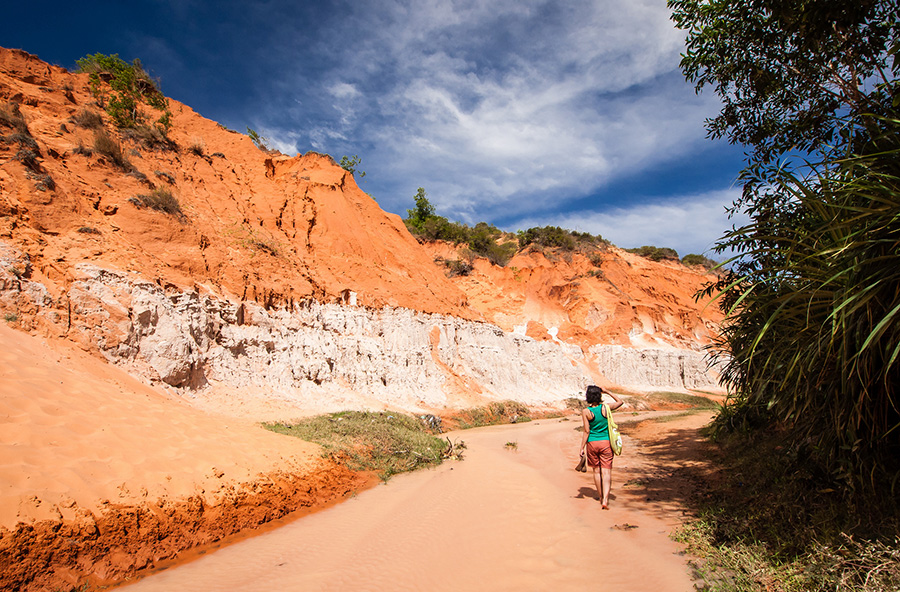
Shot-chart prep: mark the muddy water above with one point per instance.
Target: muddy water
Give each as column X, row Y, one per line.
column 502, row 519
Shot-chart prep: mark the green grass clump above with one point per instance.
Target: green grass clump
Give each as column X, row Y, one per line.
column 387, row 443
column 495, row 413
column 122, row 88
column 693, row 259
column 554, row 236
column 675, row 398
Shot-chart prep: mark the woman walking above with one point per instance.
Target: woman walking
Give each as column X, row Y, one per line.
column 595, row 440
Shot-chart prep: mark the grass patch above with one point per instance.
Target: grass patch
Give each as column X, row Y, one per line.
column 11, row 116
column 197, row 148
column 494, row 413
column 387, row 443
column 167, row 177
column 88, row 119
column 110, row 148
column 664, row 399
column 161, row 200
column 675, row 416
column 150, row 136
column 575, row 403
column 773, row 520
column 255, row 240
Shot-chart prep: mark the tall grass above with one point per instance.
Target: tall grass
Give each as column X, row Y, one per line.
column 813, row 329
column 112, row 149
column 161, row 200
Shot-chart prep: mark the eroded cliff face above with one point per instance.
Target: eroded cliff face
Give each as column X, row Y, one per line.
column 313, row 356
column 392, row 357
column 279, row 276
column 250, row 225
column 595, row 295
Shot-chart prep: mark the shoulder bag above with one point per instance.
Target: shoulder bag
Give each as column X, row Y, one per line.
column 615, row 438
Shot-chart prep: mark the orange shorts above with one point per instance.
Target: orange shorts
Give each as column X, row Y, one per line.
column 599, row 452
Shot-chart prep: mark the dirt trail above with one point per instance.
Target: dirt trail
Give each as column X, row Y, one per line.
column 502, row 519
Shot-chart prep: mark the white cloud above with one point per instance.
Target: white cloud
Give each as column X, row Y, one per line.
column 342, row 90
column 511, row 106
column 688, row 224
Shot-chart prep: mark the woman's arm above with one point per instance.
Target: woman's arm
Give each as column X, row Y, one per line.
column 618, row 402
column 587, row 429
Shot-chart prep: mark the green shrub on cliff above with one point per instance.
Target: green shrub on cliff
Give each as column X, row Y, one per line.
column 121, row 88
column 655, row 253
column 483, row 239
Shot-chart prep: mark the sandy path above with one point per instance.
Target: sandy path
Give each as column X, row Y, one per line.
column 499, row 520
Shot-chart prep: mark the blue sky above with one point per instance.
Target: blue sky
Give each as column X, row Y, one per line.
column 520, row 113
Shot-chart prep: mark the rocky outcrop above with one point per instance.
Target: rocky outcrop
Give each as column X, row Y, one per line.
column 650, row 367
column 389, row 356
column 392, row 355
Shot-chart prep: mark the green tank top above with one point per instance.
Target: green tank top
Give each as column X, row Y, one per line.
column 599, row 425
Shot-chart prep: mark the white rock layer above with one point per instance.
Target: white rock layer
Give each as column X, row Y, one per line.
column 390, row 357
column 654, row 368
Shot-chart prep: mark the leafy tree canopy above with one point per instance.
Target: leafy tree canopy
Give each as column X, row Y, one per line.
column 351, row 164
column 792, row 74
column 812, row 337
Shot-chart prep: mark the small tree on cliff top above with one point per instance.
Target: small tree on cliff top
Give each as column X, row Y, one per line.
column 129, row 86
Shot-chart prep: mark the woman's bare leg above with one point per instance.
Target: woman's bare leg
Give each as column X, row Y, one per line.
column 597, row 481
column 606, row 475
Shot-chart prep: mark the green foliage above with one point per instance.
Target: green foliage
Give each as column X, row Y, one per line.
column 259, row 141
column 388, row 443
column 483, row 239
column 693, row 260
column 128, row 86
column 350, row 164
column 458, row 267
column 790, row 74
column 486, row 240
column 423, row 211
column 655, row 253
column 498, row 412
column 812, row 337
column 556, row 237
column 681, row 399
column 814, row 313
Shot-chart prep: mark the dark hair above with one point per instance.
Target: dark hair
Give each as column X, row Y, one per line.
column 593, row 395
